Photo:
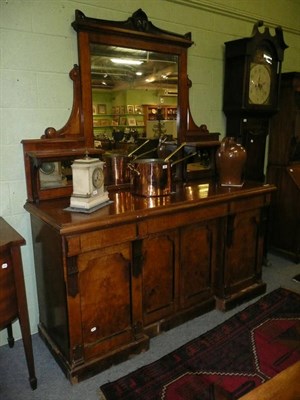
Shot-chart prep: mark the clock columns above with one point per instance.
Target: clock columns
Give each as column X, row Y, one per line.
column 251, row 86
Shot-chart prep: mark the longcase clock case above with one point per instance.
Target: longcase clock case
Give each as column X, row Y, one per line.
column 251, row 84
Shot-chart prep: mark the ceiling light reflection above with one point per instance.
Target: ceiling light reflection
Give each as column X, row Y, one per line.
column 126, row 61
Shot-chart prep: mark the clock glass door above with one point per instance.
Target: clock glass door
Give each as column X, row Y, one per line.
column 261, row 76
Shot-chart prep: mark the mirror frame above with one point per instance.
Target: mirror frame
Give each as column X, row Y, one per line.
column 137, row 32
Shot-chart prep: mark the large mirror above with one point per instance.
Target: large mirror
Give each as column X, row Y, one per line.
column 151, row 80
column 134, row 93
column 133, row 77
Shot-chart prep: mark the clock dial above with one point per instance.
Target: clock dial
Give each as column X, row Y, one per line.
column 259, row 84
column 47, row 168
column 98, row 178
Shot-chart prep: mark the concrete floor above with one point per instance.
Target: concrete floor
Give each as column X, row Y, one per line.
column 52, row 384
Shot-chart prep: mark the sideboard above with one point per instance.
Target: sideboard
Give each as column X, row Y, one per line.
column 109, row 281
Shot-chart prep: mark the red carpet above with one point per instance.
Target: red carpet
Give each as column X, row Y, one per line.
column 236, row 356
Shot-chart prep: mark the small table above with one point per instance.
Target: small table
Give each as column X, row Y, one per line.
column 13, row 302
column 285, row 385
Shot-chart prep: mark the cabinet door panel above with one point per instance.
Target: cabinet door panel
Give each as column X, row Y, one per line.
column 159, row 286
column 104, row 280
column 244, row 250
column 196, row 261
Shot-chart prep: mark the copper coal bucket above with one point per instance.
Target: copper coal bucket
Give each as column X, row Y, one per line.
column 116, row 171
column 152, row 176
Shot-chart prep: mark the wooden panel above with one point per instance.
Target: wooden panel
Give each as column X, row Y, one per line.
column 284, row 232
column 159, row 276
column 171, row 221
column 100, row 238
column 8, row 296
column 104, row 284
column 197, row 247
column 248, row 203
column 243, row 251
column 51, row 287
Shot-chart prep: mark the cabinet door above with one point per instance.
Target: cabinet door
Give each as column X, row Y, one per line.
column 197, row 258
column 159, row 275
column 105, row 290
column 243, row 251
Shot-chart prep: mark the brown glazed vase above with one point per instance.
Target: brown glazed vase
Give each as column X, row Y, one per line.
column 230, row 161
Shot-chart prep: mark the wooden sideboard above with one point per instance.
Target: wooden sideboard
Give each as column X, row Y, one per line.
column 109, row 281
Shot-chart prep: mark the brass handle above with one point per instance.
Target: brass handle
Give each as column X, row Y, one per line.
column 131, row 167
column 175, row 151
column 138, row 148
column 184, row 158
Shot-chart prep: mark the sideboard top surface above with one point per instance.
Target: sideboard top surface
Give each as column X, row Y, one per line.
column 127, row 208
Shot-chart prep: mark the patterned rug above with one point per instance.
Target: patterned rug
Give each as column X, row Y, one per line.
column 233, row 358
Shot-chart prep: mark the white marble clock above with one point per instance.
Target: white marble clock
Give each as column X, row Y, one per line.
column 88, row 183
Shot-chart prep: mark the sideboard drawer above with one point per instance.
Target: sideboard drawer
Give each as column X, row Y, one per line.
column 100, row 238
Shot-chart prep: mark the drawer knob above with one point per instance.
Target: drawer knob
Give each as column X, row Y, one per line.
column 4, row 266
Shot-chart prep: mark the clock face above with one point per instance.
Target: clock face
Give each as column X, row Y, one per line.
column 98, row 178
column 47, row 168
column 259, row 84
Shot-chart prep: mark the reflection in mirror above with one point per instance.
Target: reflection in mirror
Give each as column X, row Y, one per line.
column 134, row 93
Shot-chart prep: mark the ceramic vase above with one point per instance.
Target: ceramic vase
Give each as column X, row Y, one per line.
column 230, row 162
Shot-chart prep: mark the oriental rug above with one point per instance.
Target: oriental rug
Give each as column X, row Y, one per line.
column 233, row 358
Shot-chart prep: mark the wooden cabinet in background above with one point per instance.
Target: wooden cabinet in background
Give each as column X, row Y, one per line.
column 284, row 169
column 163, row 112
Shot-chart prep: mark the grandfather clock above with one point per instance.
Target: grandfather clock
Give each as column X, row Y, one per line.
column 251, row 87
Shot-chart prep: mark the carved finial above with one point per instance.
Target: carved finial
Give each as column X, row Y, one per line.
column 50, row 133
column 257, row 25
column 86, row 154
column 140, row 20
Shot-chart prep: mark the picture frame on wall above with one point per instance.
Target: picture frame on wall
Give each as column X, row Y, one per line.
column 101, row 108
column 115, row 121
column 131, row 121
column 130, row 109
column 123, row 120
column 138, row 109
column 104, row 122
column 122, row 109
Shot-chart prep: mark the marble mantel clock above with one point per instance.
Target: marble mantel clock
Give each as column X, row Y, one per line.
column 251, row 91
column 88, row 184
